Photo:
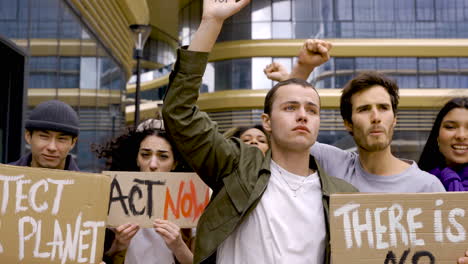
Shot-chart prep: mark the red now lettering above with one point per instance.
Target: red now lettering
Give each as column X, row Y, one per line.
column 186, row 202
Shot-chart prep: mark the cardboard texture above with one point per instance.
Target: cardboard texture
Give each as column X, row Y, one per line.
column 141, row 197
column 399, row 228
column 52, row 216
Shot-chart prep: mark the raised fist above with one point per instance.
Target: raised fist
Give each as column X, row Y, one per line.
column 276, row 72
column 314, row 53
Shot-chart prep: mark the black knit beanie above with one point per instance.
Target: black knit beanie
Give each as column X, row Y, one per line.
column 54, row 115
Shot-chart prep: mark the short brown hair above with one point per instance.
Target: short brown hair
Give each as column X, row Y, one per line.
column 362, row 82
column 271, row 94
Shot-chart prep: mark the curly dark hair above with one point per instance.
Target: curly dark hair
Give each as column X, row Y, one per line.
column 121, row 152
column 431, row 157
column 121, row 155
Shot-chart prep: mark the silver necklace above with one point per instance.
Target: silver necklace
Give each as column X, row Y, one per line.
column 294, row 190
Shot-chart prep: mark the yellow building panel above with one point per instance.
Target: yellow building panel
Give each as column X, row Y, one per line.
column 330, row 99
column 147, row 110
column 110, row 20
column 148, row 64
column 62, row 47
column 153, row 84
column 119, row 23
column 105, row 13
column 75, row 96
column 136, row 11
column 108, row 35
column 343, row 48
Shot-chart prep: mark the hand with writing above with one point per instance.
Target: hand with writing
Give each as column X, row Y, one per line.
column 123, row 236
column 221, row 9
column 276, row 72
column 463, row 260
column 214, row 14
column 170, row 232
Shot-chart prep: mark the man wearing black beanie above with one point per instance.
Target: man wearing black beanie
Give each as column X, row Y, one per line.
column 51, row 130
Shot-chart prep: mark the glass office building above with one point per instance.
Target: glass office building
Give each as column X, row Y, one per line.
column 66, row 60
column 359, row 22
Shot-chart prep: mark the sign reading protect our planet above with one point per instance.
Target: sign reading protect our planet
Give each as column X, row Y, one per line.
column 52, row 216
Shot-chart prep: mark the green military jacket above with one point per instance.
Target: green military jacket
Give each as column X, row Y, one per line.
column 237, row 173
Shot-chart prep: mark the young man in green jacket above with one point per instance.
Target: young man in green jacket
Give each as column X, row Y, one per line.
column 264, row 209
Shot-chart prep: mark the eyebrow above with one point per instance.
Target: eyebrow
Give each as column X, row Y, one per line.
column 450, row 121
column 368, row 105
column 362, row 106
column 159, row 150
column 297, row 103
column 250, row 136
column 60, row 134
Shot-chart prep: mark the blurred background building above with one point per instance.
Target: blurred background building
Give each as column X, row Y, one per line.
column 76, row 51
column 80, row 51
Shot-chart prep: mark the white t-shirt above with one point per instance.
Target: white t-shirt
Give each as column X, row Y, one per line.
column 283, row 228
column 148, row 247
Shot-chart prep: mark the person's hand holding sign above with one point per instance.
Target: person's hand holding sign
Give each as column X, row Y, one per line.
column 463, row 260
column 123, row 236
column 170, row 232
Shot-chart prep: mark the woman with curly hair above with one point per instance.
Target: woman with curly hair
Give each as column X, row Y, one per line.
column 145, row 149
column 446, row 151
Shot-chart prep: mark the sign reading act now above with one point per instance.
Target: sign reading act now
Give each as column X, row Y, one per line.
column 399, row 228
column 137, row 197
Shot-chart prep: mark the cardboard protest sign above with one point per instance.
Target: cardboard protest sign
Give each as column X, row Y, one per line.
column 141, row 197
column 52, row 216
column 399, row 228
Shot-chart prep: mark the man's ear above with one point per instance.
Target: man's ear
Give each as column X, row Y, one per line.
column 348, row 126
column 266, row 122
column 28, row 136
column 74, row 142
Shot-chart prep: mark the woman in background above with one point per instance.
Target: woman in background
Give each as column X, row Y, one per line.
column 446, row 151
column 145, row 149
column 254, row 136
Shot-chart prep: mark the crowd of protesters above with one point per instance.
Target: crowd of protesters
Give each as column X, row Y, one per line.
column 260, row 173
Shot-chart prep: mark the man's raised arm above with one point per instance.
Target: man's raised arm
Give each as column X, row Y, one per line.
column 191, row 130
column 214, row 14
column 312, row 54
